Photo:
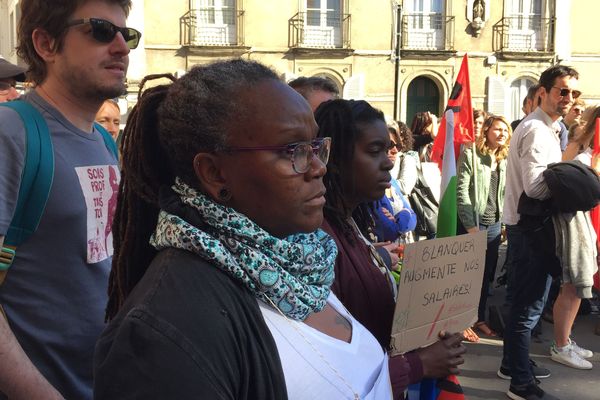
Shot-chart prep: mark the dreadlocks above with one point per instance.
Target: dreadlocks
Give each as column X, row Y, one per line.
column 343, row 120
column 166, row 129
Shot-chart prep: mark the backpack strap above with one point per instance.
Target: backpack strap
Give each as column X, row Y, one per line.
column 109, row 142
column 36, row 180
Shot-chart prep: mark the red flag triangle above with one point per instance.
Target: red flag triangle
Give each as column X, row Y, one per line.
column 460, row 103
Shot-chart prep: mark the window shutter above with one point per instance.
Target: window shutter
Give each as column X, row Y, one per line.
column 355, row 87
column 496, row 96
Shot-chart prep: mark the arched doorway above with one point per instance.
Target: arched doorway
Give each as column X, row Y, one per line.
column 422, row 95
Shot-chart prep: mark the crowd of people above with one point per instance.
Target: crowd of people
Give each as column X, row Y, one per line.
column 246, row 240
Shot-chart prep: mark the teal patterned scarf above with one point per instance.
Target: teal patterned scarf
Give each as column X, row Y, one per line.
column 295, row 273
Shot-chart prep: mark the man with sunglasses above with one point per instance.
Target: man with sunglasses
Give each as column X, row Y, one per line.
column 534, row 144
column 10, row 74
column 54, row 293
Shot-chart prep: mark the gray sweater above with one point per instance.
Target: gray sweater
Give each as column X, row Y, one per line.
column 576, row 249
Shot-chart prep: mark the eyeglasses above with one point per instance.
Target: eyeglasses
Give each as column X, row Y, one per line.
column 5, row 86
column 105, row 31
column 301, row 153
column 565, row 92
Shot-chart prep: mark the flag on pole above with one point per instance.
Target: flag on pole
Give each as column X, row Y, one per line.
column 460, row 103
column 449, row 387
column 456, row 128
column 446, row 222
column 595, row 213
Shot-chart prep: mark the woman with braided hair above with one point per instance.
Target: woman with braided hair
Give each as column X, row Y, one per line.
column 220, row 286
column 358, row 174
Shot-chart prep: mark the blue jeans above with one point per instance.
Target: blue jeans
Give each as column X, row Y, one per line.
column 491, row 259
column 514, row 238
column 529, row 282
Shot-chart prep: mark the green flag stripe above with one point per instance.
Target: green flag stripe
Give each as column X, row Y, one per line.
column 446, row 223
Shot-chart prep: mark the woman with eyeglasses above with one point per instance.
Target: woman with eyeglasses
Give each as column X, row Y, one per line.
column 480, row 197
column 581, row 144
column 220, row 286
column 358, row 174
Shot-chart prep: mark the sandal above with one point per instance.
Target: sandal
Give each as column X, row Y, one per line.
column 470, row 335
column 482, row 327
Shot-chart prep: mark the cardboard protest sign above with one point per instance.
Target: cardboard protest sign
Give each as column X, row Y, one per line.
column 439, row 289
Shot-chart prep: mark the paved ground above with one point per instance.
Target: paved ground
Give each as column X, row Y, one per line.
column 479, row 379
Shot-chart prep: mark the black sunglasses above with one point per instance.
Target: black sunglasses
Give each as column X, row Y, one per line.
column 565, row 92
column 105, row 31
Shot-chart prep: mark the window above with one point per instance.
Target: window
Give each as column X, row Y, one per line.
column 323, row 24
column 215, row 22
column 525, row 24
column 506, row 98
column 425, row 24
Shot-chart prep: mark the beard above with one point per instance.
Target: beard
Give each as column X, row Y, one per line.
column 562, row 111
column 84, row 84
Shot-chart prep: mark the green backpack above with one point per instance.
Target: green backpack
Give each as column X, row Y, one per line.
column 36, row 178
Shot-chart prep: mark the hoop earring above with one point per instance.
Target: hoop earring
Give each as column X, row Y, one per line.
column 224, row 194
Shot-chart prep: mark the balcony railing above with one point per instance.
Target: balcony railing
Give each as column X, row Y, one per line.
column 330, row 30
column 427, row 32
column 212, row 27
column 524, row 34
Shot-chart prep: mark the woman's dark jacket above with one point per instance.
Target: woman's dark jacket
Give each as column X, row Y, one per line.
column 188, row 331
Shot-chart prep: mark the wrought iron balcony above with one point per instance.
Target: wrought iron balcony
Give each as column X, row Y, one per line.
column 524, row 34
column 212, row 27
column 313, row 29
column 433, row 32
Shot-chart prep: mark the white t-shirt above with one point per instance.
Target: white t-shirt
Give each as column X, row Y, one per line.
column 362, row 363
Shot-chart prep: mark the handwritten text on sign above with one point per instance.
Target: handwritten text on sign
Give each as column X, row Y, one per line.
column 439, row 289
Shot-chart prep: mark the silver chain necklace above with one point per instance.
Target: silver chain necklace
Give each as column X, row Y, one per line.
column 317, row 352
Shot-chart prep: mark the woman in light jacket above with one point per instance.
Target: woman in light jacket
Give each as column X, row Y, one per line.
column 480, row 196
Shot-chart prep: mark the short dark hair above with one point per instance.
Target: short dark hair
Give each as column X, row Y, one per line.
column 549, row 76
column 532, row 91
column 478, row 112
column 53, row 17
column 305, row 85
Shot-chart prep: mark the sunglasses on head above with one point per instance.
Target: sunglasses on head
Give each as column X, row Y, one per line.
column 565, row 92
column 105, row 31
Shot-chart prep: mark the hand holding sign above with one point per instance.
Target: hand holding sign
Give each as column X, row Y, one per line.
column 439, row 289
column 443, row 357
